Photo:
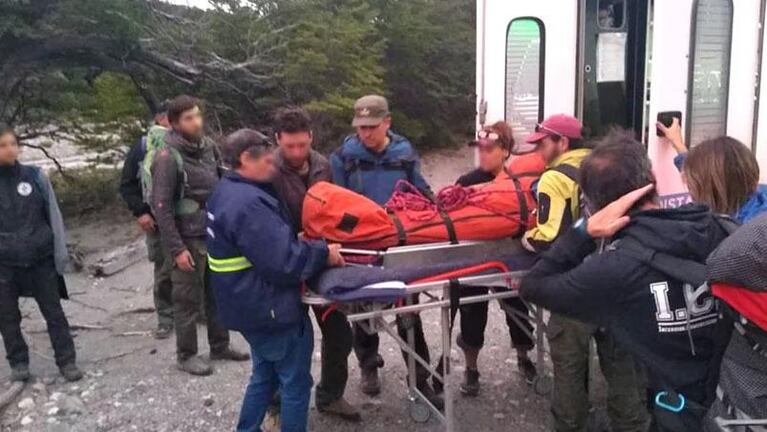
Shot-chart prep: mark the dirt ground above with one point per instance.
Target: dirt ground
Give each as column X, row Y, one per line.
column 131, row 383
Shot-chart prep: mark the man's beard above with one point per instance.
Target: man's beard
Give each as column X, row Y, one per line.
column 193, row 138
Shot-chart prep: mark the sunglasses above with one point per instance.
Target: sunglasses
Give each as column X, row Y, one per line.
column 539, row 127
column 492, row 136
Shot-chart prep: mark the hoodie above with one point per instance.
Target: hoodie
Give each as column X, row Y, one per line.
column 645, row 309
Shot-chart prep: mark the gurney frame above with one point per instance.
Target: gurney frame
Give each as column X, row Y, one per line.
column 375, row 317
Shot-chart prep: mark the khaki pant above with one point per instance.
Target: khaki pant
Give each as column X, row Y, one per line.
column 191, row 291
column 163, row 287
column 570, row 340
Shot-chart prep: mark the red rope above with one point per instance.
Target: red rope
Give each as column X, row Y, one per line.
column 419, row 208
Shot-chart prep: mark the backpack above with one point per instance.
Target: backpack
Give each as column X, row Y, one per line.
column 672, row 412
column 151, row 145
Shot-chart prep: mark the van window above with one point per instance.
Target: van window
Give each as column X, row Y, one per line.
column 611, row 13
column 524, row 76
column 709, row 69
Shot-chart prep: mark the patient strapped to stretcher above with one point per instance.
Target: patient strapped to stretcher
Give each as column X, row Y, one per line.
column 499, row 209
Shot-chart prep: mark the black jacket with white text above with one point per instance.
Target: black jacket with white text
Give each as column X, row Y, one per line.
column 673, row 328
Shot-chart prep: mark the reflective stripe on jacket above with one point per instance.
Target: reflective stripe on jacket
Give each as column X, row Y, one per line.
column 257, row 264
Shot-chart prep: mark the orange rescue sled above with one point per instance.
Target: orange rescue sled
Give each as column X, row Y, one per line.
column 491, row 211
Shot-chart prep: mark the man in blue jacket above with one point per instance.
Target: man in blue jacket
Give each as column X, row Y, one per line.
column 258, row 266
column 371, row 163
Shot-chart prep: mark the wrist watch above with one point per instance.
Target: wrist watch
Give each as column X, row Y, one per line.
column 581, row 227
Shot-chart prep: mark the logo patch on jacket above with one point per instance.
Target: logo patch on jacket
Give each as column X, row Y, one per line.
column 24, row 189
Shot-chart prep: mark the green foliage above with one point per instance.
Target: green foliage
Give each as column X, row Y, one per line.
column 244, row 58
column 86, row 191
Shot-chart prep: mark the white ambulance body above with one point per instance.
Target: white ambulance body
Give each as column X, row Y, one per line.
column 622, row 62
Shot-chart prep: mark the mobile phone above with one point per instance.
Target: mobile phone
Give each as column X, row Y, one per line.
column 667, row 119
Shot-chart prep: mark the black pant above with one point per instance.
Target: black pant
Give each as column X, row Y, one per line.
column 42, row 283
column 366, row 345
column 336, row 347
column 474, row 321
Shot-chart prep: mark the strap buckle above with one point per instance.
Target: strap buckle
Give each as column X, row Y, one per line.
column 674, row 409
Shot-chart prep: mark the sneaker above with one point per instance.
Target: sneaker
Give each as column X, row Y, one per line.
column 20, row 373
column 163, row 331
column 369, row 382
column 229, row 354
column 342, row 409
column 195, row 365
column 71, row 372
column 470, row 384
column 431, row 395
column 527, row 368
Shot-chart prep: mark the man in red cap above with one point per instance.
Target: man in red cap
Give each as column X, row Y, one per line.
column 560, row 141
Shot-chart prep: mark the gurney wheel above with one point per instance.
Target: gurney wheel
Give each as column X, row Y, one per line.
column 419, row 411
column 543, row 385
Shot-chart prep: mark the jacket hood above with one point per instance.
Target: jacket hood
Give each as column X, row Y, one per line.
column 178, row 141
column 572, row 157
column 754, row 206
column 690, row 231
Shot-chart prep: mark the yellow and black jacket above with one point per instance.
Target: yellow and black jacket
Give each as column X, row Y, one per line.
column 558, row 202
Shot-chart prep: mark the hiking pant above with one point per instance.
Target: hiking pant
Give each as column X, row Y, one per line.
column 42, row 282
column 474, row 321
column 366, row 345
column 281, row 360
column 191, row 291
column 336, row 347
column 163, row 287
column 570, row 340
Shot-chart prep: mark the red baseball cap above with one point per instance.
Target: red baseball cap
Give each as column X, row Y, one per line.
column 559, row 124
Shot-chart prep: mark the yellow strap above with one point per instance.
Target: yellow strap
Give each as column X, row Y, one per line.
column 228, row 265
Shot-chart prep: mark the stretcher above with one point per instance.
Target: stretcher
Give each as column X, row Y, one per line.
column 489, row 266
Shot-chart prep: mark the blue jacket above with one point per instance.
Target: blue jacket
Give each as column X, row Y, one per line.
column 754, row 206
column 257, row 264
column 375, row 175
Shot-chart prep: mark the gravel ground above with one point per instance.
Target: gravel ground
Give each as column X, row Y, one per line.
column 132, row 384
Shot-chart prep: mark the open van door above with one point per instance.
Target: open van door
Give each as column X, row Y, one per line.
column 526, row 61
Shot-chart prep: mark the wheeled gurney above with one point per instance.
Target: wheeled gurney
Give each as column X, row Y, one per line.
column 390, row 279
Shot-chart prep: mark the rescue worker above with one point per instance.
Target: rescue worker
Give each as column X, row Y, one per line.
column 298, row 168
column 560, row 141
column 132, row 193
column 184, row 174
column 630, row 267
column 371, row 162
column 33, row 258
column 494, row 145
column 258, row 266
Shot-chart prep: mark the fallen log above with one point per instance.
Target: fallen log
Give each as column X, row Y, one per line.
column 119, row 259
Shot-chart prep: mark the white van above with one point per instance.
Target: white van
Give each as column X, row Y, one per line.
column 622, row 62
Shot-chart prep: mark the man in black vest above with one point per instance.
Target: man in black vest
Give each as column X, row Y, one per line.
column 33, row 256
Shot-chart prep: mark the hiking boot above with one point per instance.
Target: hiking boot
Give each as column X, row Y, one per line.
column 470, row 385
column 369, row 382
column 195, row 365
column 431, row 395
column 341, row 408
column 20, row 373
column 163, row 331
column 229, row 353
column 527, row 368
column 71, row 372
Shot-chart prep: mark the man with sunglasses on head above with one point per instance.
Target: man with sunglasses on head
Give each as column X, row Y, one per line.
column 560, row 141
column 371, row 163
